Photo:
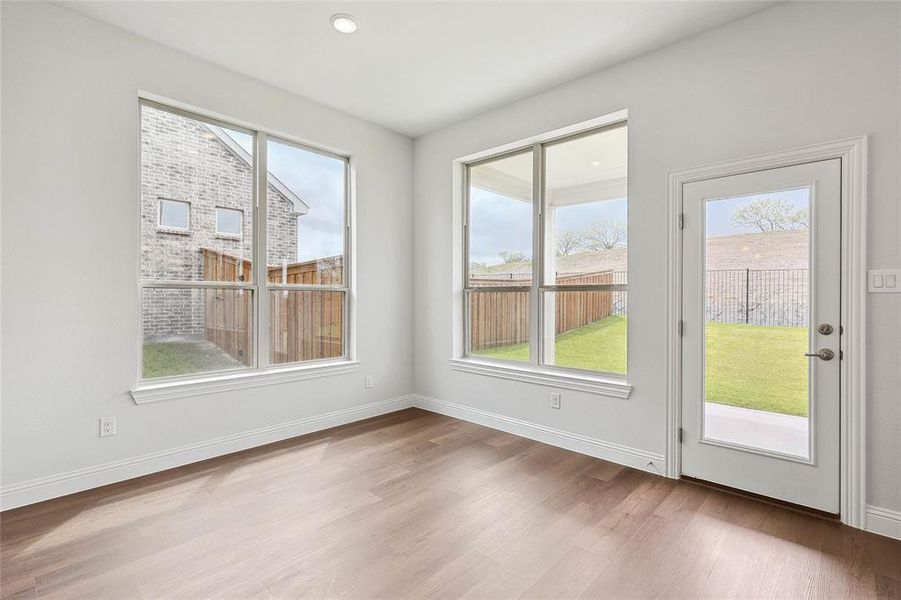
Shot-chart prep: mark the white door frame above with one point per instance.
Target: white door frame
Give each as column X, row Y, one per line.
column 853, row 155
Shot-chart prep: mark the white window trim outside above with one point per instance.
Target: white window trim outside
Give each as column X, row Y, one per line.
column 171, row 228
column 261, row 372
column 607, row 384
column 227, row 234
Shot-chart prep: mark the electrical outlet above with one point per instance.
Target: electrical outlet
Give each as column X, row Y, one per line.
column 367, row 382
column 107, row 426
column 556, row 399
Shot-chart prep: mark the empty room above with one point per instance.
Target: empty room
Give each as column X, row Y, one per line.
column 450, row 299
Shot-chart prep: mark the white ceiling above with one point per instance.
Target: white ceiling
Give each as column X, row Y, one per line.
column 416, row 66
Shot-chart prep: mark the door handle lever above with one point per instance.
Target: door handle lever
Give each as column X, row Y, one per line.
column 824, row 354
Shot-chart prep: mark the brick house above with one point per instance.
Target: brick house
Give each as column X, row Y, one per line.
column 196, row 195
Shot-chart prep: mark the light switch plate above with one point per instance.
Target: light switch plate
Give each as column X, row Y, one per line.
column 884, row 281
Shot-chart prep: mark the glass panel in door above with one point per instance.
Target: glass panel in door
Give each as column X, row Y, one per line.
column 757, row 317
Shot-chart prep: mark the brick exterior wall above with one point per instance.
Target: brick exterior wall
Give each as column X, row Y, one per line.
column 183, row 160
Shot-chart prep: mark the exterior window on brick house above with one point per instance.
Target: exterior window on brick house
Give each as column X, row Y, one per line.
column 175, row 214
column 229, row 222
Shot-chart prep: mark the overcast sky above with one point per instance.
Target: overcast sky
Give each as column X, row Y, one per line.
column 499, row 223
column 316, row 179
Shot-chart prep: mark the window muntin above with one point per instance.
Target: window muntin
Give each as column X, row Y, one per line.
column 570, row 269
column 175, row 214
column 306, row 255
column 204, row 308
column 229, row 221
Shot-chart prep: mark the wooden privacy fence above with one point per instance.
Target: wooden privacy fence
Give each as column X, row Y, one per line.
column 502, row 318
column 303, row 324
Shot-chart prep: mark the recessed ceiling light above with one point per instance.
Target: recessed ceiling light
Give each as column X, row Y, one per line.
column 595, row 163
column 344, row 23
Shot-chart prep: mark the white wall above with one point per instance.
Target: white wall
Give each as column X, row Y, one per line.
column 70, row 246
column 792, row 75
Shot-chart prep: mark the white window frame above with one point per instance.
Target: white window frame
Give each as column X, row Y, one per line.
column 261, row 371
column 172, row 228
column 228, row 234
column 535, row 371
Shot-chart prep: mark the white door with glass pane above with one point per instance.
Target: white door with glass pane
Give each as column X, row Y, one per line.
column 761, row 333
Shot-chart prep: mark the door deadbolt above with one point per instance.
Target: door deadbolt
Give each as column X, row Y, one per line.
column 825, row 329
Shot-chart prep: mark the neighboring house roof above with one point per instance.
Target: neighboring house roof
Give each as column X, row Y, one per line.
column 300, row 207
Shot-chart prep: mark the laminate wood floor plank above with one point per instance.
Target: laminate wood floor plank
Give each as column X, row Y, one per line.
column 419, row 505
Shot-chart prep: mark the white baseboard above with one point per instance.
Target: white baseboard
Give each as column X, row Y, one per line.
column 53, row 486
column 617, row 453
column 884, row 521
column 879, row 520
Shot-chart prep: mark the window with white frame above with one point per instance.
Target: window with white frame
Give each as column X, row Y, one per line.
column 229, row 221
column 255, row 199
column 174, row 214
column 546, row 253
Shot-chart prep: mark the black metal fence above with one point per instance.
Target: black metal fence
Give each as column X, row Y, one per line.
column 778, row 297
column 620, row 304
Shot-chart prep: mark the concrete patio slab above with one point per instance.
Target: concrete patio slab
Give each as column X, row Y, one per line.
column 786, row 434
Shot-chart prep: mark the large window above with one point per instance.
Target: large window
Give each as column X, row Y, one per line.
column 546, row 253
column 204, row 306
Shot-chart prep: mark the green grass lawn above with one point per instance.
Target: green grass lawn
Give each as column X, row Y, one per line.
column 759, row 367
column 598, row 346
column 166, row 359
column 751, row 366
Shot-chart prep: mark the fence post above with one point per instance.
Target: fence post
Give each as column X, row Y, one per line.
column 747, row 295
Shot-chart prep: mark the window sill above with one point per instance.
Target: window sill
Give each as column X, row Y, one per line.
column 603, row 386
column 169, row 390
column 173, row 230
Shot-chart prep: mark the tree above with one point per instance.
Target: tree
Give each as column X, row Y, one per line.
column 512, row 256
column 771, row 214
column 570, row 242
column 605, row 235
column 801, row 219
